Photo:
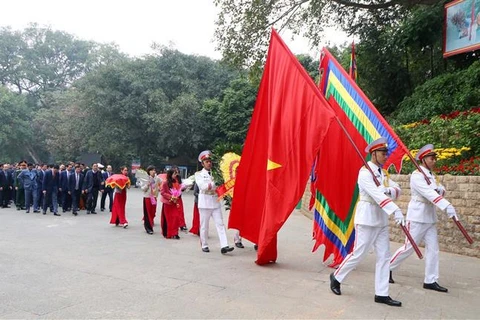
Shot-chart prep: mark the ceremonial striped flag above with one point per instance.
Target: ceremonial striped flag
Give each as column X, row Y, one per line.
column 336, row 171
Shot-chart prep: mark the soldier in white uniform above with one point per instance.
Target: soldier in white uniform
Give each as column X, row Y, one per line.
column 422, row 218
column 371, row 223
column 208, row 205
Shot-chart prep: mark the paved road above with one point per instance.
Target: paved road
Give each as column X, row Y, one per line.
column 82, row 268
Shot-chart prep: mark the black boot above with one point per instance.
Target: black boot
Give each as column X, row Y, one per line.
column 387, row 300
column 434, row 286
column 335, row 285
column 391, row 278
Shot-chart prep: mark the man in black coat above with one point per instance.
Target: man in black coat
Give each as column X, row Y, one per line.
column 50, row 187
column 75, row 184
column 91, row 185
column 108, row 191
column 6, row 185
column 41, row 169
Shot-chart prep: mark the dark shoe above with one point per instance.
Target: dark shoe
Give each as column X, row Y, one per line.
column 387, row 300
column 255, row 246
column 102, row 209
column 239, row 245
column 125, row 226
column 335, row 285
column 116, row 224
column 150, row 232
column 226, row 249
column 18, row 208
column 88, row 212
column 28, row 211
column 176, row 237
column 44, row 212
column 93, row 212
column 36, row 211
column 56, row 214
column 434, row 286
column 184, row 228
column 391, row 278
column 75, row 213
column 205, row 249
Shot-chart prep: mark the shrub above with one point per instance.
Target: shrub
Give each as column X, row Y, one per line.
column 446, row 93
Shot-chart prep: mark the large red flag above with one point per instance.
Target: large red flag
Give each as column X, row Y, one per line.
column 289, row 123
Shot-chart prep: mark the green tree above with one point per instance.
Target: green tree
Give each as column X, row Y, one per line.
column 243, row 26
column 235, row 112
column 15, row 131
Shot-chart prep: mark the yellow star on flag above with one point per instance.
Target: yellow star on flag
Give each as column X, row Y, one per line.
column 272, row 165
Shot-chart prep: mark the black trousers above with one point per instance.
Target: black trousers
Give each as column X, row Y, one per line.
column 66, row 200
column 92, row 200
column 4, row 197
column 76, row 194
column 107, row 192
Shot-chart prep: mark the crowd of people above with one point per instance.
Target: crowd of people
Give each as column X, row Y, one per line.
column 73, row 187
column 70, row 187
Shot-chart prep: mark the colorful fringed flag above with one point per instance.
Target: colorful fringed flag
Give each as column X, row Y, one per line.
column 337, row 166
column 353, row 64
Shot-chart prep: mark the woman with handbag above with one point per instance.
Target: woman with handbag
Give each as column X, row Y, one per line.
column 150, row 193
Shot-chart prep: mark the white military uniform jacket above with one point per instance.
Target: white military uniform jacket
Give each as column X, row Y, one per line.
column 425, row 197
column 207, row 199
column 374, row 205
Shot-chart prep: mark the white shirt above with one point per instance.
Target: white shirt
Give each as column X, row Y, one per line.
column 374, row 205
column 425, row 197
column 207, row 198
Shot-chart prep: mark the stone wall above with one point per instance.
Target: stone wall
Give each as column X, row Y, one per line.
column 462, row 191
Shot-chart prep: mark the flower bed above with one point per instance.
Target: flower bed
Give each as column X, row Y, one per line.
column 456, row 137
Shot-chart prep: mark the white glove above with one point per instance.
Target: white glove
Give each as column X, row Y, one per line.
column 399, row 218
column 451, row 212
column 392, row 193
column 440, row 190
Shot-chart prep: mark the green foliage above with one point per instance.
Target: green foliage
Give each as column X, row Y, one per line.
column 443, row 94
column 235, row 112
column 15, row 129
column 243, row 27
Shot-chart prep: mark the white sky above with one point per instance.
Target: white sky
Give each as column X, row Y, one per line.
column 133, row 25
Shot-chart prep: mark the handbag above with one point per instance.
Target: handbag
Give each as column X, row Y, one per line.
column 153, row 200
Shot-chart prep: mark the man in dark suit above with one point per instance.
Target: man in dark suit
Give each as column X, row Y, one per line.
column 6, row 185
column 64, row 183
column 50, row 187
column 40, row 174
column 108, row 190
column 91, row 185
column 75, row 184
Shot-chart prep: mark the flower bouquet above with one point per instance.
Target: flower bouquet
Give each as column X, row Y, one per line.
column 176, row 193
